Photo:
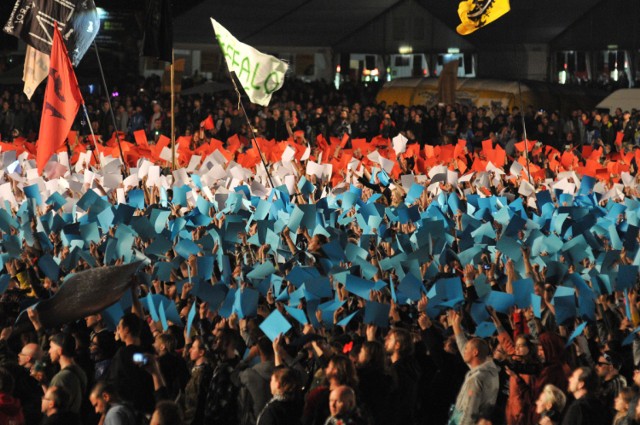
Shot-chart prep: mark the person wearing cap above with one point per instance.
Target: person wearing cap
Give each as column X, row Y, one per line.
column 71, row 377
column 608, row 370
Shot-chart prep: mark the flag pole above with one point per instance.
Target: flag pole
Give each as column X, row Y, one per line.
column 173, row 121
column 113, row 117
column 524, row 131
column 253, row 136
column 93, row 136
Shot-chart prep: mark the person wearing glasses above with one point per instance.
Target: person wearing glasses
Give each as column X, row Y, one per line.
column 608, row 370
column 29, row 355
column 55, row 404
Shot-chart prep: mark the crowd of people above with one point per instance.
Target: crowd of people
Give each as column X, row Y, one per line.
column 370, row 264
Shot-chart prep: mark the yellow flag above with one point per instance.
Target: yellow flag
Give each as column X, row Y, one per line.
column 475, row 14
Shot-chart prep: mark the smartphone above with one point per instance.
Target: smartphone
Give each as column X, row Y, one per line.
column 140, row 359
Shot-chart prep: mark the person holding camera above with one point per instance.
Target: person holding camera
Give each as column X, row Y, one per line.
column 131, row 381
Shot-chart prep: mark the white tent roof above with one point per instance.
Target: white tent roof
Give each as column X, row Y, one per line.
column 626, row 99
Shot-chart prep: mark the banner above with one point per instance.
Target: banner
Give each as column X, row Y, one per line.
column 32, row 21
column 475, row 14
column 260, row 74
column 36, row 69
column 448, row 82
column 83, row 294
column 62, row 99
column 158, row 31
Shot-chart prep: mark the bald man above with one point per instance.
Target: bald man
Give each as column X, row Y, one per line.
column 29, row 354
column 342, row 405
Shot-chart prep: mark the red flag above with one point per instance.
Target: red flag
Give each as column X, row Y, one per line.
column 62, row 99
column 208, row 124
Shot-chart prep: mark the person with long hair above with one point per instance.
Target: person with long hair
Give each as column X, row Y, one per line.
column 375, row 382
column 339, row 371
column 555, row 369
column 522, row 366
column 621, row 405
column 285, row 407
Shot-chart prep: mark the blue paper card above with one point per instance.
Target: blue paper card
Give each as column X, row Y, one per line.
column 377, row 314
column 347, row 319
column 190, row 317
column 358, row 286
column 297, row 314
column 411, row 287
column 56, row 200
column 522, row 290
column 485, row 329
column 261, row 271
column 274, row 325
column 500, row 301
column 163, row 317
column 136, row 199
column 576, row 332
column 627, row 277
column 185, row 248
column 246, row 302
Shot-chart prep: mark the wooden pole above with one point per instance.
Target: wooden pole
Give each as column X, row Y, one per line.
column 173, row 117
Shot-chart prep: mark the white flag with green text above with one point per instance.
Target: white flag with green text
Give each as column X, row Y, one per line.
column 260, row 74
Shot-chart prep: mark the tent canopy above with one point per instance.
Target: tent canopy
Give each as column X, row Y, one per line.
column 626, row 99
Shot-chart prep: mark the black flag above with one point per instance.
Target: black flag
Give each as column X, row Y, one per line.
column 32, row 21
column 158, row 31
